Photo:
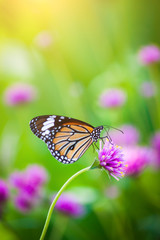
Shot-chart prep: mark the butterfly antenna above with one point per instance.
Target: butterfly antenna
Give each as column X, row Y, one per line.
column 109, row 127
column 107, row 136
column 107, row 130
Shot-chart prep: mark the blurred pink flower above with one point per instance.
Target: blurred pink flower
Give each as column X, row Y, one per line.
column 147, row 89
column 149, row 54
column 29, row 185
column 155, row 142
column 69, row 205
column 130, row 135
column 44, row 39
column 37, row 175
column 30, row 180
column 112, row 159
column 19, row 93
column 112, row 98
column 137, row 158
column 23, row 202
column 4, row 191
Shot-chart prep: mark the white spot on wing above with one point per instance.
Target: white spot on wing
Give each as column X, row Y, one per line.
column 48, row 122
column 44, row 128
column 46, row 132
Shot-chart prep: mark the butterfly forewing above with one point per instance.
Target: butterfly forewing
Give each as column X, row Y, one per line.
column 67, row 138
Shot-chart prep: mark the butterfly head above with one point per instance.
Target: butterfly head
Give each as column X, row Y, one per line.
column 96, row 133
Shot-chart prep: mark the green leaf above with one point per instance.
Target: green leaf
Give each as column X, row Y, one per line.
column 96, row 164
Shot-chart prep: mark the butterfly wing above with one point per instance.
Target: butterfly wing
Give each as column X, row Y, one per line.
column 66, row 138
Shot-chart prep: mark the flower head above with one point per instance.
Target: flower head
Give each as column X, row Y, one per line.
column 149, row 54
column 111, row 158
column 30, row 180
column 37, row 175
column 112, row 98
column 130, row 136
column 137, row 159
column 147, row 89
column 24, row 202
column 155, row 142
column 4, row 191
column 19, row 93
column 69, row 205
column 29, row 185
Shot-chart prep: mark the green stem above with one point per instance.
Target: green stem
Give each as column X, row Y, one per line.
column 56, row 198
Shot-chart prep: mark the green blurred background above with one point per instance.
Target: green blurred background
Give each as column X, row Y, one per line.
column 71, row 51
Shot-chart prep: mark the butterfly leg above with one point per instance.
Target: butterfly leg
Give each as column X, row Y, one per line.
column 96, row 146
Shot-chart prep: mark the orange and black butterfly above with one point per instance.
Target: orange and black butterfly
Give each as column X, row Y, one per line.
column 67, row 138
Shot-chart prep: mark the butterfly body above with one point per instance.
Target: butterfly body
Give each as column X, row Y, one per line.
column 67, row 138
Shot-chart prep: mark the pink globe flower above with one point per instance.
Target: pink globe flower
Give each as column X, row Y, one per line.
column 29, row 186
column 130, row 135
column 19, row 93
column 4, row 191
column 17, row 179
column 112, row 98
column 147, row 89
column 155, row 142
column 112, row 159
column 137, row 159
column 149, row 54
column 24, row 202
column 69, row 205
column 30, row 180
column 37, row 175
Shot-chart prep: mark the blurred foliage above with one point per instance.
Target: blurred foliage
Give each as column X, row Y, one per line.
column 93, row 46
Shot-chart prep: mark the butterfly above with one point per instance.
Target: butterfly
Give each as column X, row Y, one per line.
column 67, row 138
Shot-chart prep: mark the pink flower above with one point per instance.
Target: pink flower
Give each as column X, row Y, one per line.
column 111, row 159
column 4, row 191
column 17, row 179
column 130, row 135
column 69, row 205
column 155, row 142
column 137, row 158
column 112, row 98
column 149, row 54
column 37, row 175
column 147, row 89
column 19, row 93
column 29, row 180
column 29, row 185
column 24, row 202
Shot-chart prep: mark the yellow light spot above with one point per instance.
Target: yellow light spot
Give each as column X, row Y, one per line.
column 122, row 174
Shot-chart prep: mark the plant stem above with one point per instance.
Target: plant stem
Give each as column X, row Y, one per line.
column 56, row 198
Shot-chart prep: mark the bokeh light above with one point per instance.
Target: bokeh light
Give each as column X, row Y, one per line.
column 99, row 62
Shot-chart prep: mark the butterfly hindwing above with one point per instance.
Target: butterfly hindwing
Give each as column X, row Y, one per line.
column 66, row 138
